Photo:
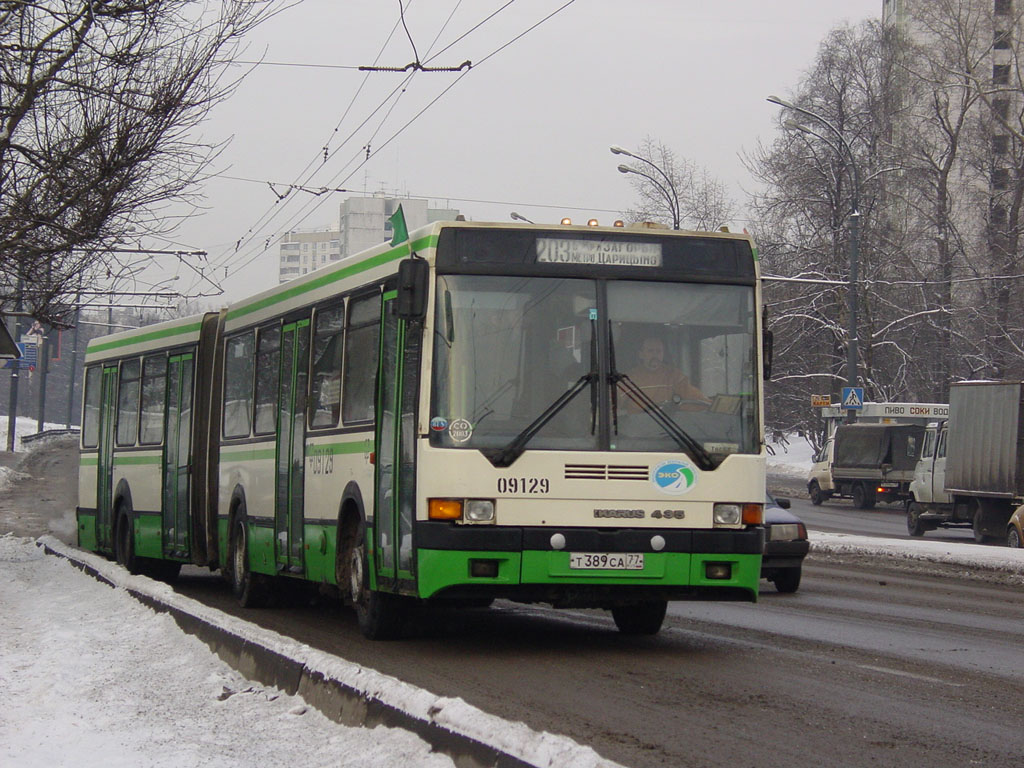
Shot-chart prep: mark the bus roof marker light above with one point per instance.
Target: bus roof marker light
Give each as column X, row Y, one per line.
column 592, row 222
column 566, row 221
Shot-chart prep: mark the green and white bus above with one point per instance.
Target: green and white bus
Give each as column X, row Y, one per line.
column 559, row 414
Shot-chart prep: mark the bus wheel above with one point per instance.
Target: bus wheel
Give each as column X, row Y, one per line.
column 380, row 615
column 249, row 587
column 124, row 543
column 640, row 619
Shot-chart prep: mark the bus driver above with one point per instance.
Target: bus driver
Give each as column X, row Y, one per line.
column 662, row 382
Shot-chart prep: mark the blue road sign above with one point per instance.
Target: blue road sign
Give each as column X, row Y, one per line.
column 853, row 398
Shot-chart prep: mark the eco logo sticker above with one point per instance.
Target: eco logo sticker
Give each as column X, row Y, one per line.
column 460, row 430
column 675, row 476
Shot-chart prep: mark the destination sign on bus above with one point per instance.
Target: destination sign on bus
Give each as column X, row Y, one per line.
column 608, row 253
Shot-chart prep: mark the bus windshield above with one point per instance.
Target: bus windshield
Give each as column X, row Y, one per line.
column 508, row 348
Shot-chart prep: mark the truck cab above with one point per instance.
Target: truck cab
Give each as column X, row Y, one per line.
column 819, row 480
column 928, row 485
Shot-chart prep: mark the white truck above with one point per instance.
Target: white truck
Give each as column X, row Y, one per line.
column 866, row 462
column 971, row 471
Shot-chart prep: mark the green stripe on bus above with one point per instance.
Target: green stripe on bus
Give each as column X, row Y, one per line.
column 144, row 337
column 88, row 461
column 249, row 454
column 337, row 449
column 383, row 258
column 138, row 459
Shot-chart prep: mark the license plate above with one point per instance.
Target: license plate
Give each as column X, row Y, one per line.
column 611, row 561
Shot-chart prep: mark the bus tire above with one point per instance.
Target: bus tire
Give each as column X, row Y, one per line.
column 249, row 588
column 640, row 618
column 380, row 615
column 124, row 540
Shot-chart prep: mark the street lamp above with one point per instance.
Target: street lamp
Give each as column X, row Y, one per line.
column 851, row 347
column 671, row 197
column 519, row 217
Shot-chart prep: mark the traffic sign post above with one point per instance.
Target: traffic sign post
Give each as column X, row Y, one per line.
column 853, row 398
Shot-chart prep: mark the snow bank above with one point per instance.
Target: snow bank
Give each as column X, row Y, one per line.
column 968, row 555
column 543, row 749
column 91, row 678
column 792, row 458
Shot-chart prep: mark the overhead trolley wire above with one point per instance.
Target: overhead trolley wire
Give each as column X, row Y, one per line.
column 232, row 262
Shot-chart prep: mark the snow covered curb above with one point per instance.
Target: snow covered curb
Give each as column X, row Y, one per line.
column 343, row 691
column 977, row 556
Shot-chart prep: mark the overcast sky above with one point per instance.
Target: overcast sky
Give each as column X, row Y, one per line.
column 526, row 129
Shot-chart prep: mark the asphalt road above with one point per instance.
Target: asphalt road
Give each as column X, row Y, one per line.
column 860, row 667
column 885, row 520
column 863, row 666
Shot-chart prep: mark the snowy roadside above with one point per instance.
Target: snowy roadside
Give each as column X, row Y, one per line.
column 970, row 560
column 92, row 678
column 62, row 664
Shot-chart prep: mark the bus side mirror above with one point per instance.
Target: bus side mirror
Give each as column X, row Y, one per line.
column 413, row 284
column 768, row 346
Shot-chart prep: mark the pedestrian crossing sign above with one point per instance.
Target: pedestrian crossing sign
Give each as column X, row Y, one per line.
column 853, row 398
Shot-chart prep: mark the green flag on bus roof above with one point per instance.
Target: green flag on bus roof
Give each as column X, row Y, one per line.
column 398, row 228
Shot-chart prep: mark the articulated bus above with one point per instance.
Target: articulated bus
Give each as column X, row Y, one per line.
column 558, row 414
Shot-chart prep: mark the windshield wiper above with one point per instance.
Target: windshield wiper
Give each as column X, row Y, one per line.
column 683, row 438
column 504, row 457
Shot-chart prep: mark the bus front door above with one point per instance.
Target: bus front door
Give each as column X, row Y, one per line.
column 177, row 455
column 105, row 459
column 395, row 496
column 291, row 446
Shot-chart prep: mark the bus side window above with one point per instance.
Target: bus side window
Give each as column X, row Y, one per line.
column 238, row 370
column 325, row 394
column 268, row 361
column 940, row 452
column 154, row 385
column 128, row 403
column 362, row 338
column 91, row 408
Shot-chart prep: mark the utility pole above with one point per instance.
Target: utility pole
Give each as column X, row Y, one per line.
column 12, row 403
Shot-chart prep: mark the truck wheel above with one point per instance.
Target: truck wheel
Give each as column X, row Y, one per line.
column 915, row 526
column 861, row 498
column 977, row 525
column 816, row 495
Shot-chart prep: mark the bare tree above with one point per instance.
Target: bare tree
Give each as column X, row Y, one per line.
column 813, row 181
column 99, row 105
column 671, row 189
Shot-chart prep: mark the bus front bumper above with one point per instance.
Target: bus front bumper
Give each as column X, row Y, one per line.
column 456, row 562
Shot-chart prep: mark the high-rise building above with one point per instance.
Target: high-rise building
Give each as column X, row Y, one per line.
column 363, row 222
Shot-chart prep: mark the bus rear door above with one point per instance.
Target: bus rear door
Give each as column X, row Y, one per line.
column 291, row 446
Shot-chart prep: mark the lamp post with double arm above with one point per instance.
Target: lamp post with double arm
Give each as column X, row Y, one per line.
column 843, row 147
column 667, row 190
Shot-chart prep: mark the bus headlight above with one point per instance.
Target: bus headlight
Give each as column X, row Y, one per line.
column 479, row 511
column 728, row 514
